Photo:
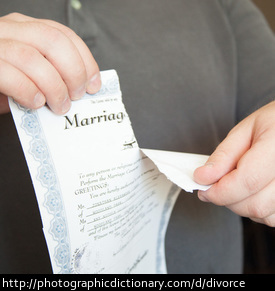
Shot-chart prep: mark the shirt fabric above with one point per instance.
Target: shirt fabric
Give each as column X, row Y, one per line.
column 189, row 71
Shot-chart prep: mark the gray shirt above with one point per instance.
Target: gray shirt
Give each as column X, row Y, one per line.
column 189, row 71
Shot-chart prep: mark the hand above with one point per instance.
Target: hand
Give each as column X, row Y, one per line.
column 43, row 61
column 242, row 168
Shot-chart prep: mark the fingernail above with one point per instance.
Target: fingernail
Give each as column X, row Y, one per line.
column 79, row 93
column 39, row 100
column 66, row 105
column 94, row 84
column 210, row 165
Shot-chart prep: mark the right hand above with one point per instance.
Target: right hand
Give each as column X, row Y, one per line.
column 43, row 61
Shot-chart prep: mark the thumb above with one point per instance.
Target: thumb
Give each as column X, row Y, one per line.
column 226, row 156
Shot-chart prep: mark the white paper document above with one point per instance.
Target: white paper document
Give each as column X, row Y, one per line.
column 104, row 202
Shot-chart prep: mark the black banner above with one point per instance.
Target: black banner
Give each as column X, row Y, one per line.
column 154, row 282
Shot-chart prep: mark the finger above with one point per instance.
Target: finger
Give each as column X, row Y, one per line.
column 37, row 68
column 259, row 205
column 58, row 50
column 24, row 92
column 225, row 158
column 4, row 104
column 93, row 82
column 254, row 172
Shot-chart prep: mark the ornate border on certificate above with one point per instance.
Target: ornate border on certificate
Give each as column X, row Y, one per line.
column 46, row 175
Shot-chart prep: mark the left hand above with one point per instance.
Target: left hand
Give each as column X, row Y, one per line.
column 43, row 61
column 242, row 169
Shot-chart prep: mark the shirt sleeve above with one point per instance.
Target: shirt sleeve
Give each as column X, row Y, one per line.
column 255, row 51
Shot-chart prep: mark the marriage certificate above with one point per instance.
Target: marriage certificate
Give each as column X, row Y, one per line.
column 104, row 202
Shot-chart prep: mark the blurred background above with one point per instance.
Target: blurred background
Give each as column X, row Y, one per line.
column 268, row 9
column 259, row 240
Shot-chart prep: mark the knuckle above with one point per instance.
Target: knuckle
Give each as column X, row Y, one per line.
column 13, row 15
column 80, row 74
column 67, row 31
column 220, row 153
column 57, row 25
column 25, row 93
column 59, row 91
column 218, row 194
column 50, row 33
column 22, row 87
column 54, row 35
column 12, row 50
column 7, row 47
column 258, row 210
column 221, row 199
column 26, row 53
column 251, row 183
